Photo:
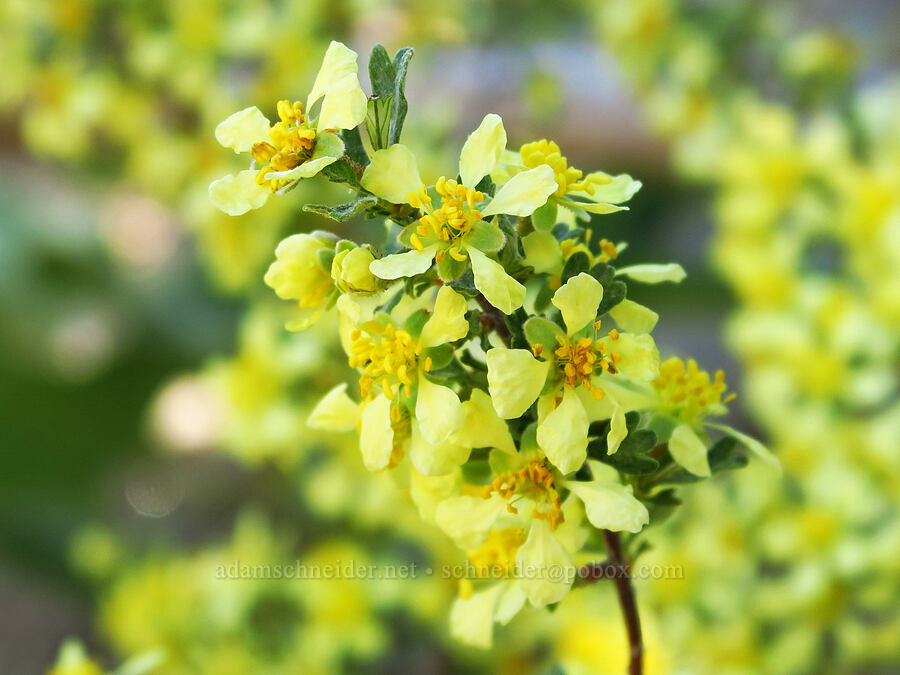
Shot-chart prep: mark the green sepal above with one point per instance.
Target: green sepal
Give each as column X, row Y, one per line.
column 413, row 325
column 486, row 237
column 540, row 331
column 440, row 356
column 450, row 269
column 544, row 218
column 324, row 257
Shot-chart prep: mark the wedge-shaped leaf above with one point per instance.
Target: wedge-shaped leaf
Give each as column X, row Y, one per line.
column 342, row 212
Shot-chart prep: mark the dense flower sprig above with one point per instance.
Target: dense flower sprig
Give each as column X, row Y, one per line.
column 488, row 370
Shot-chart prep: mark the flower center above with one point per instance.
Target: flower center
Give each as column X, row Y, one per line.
column 689, row 388
column 534, row 480
column 579, row 361
column 388, row 358
column 568, row 178
column 496, row 557
column 455, row 217
column 292, row 144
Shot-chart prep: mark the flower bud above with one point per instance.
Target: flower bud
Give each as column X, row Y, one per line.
column 297, row 273
column 350, row 270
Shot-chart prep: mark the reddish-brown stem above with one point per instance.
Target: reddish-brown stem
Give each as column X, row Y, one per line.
column 492, row 318
column 618, row 569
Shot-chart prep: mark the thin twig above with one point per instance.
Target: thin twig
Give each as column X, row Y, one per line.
column 619, row 570
column 493, row 318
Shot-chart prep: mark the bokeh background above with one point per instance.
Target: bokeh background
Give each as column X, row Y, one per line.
column 152, row 408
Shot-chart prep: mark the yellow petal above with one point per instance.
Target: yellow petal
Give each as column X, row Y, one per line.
column 406, row 264
column 376, row 437
column 515, row 379
column 429, row 491
column 243, row 129
column 638, row 355
column 545, row 568
column 500, row 289
column 345, row 102
column 468, row 520
column 438, row 411
column 436, row 459
column 689, row 451
column 524, row 193
column 483, row 427
column 542, row 252
column 578, row 300
column 482, row 150
column 563, row 434
column 296, row 272
column 653, row 273
column 611, row 506
column 448, row 322
column 335, row 412
column 237, row 194
column 618, row 430
column 472, row 619
column 633, row 317
column 392, row 174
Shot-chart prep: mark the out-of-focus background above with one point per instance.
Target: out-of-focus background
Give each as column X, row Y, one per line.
column 152, row 409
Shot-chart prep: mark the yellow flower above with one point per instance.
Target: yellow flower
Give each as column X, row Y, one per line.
column 575, row 360
column 393, row 363
column 598, row 192
column 521, row 538
column 297, row 146
column 298, row 274
column 458, row 232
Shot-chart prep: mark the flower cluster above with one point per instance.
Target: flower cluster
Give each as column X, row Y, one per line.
column 501, row 368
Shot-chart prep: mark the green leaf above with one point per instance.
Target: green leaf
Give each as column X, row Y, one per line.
column 540, row 331
column 341, row 212
column 388, row 80
column 354, row 146
column 381, row 71
column 388, row 306
column 378, row 119
column 342, row 172
column 613, row 293
column 722, row 455
column 545, row 217
column 562, row 232
column 398, row 114
column 465, row 284
column 603, row 273
column 576, row 264
column 661, row 505
column 631, row 457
